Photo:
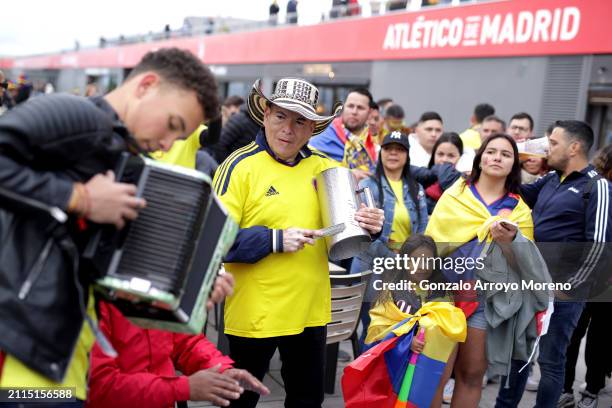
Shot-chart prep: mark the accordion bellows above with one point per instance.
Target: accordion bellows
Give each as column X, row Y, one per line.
column 159, row 246
column 160, row 268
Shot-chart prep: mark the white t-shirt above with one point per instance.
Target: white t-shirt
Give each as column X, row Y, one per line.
column 418, row 155
column 466, row 161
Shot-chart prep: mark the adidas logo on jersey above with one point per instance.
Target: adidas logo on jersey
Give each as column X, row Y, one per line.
column 271, row 191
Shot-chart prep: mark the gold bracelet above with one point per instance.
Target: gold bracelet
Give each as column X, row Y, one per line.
column 73, row 203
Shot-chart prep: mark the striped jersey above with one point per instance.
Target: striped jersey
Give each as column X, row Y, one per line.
column 281, row 293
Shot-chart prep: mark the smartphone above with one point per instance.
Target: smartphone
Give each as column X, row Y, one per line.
column 507, row 223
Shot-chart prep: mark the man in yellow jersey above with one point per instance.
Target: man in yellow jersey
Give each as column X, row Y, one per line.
column 282, row 292
column 189, row 153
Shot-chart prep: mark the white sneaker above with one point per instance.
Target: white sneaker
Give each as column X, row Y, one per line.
column 447, row 394
column 588, row 400
column 608, row 386
column 566, row 401
column 485, row 380
column 532, row 383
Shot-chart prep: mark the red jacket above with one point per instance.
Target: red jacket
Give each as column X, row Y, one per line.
column 144, row 373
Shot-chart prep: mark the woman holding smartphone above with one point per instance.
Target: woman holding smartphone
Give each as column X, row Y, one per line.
column 472, row 212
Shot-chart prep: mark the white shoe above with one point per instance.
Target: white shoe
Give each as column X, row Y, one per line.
column 485, row 380
column 532, row 383
column 447, row 394
column 566, row 401
column 588, row 400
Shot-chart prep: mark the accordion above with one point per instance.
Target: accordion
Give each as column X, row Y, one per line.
column 160, row 268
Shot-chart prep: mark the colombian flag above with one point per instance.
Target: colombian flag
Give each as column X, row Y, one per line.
column 377, row 378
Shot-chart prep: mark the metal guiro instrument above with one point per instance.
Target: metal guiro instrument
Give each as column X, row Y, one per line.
column 339, row 199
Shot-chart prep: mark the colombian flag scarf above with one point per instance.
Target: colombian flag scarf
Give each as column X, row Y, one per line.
column 460, row 216
column 389, row 374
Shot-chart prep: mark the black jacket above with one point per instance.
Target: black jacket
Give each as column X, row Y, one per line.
column 46, row 144
column 239, row 131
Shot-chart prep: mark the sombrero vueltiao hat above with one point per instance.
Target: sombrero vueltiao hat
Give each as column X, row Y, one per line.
column 292, row 94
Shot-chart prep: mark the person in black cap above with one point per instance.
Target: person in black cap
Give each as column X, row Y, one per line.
column 402, row 200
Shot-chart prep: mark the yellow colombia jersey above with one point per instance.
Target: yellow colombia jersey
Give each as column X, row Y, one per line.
column 471, row 138
column 282, row 293
column 182, row 152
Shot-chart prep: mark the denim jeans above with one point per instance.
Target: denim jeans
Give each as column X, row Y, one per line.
column 553, row 347
column 364, row 318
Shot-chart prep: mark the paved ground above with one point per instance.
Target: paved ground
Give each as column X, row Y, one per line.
column 275, row 400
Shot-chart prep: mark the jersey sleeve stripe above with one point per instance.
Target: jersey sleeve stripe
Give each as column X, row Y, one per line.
column 232, row 166
column 599, row 236
column 221, row 171
column 223, row 167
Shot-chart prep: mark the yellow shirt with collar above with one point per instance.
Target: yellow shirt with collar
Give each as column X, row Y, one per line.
column 183, row 152
column 471, row 138
column 283, row 293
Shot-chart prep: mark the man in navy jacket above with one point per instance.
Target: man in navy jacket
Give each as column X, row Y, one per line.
column 571, row 216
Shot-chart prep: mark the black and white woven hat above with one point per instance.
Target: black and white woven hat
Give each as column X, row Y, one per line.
column 293, row 94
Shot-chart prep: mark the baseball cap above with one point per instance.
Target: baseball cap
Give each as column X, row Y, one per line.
column 396, row 137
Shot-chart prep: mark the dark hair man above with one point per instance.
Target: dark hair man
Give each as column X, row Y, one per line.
column 59, row 150
column 471, row 136
column 383, row 104
column 231, row 106
column 347, row 139
column 239, row 131
column 490, row 126
column 521, row 127
column 428, row 130
column 394, row 120
column 571, row 216
column 375, row 123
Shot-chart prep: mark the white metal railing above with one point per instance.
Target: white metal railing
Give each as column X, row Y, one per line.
column 220, row 25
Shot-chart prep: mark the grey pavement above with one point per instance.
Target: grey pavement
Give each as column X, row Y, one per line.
column 274, row 381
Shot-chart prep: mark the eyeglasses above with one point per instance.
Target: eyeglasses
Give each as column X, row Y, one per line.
column 521, row 129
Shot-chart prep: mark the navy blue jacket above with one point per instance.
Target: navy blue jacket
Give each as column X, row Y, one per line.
column 577, row 221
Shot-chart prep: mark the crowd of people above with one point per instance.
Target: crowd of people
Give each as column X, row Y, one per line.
column 437, row 192
column 15, row 92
